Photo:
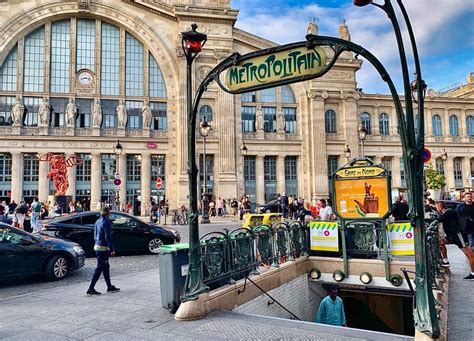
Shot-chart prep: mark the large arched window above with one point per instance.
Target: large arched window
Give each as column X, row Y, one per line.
column 436, row 122
column 383, row 124
column 366, row 122
column 205, row 111
column 330, row 121
column 470, row 125
column 83, row 61
column 453, row 125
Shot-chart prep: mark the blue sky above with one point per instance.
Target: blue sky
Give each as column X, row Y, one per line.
column 444, row 30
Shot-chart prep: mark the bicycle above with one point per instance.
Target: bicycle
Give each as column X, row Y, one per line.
column 180, row 216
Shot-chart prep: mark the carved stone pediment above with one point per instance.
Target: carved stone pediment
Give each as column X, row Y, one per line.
column 84, row 5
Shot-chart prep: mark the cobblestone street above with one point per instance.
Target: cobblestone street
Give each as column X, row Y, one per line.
column 120, row 265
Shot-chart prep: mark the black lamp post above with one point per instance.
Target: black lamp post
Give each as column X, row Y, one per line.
column 118, row 151
column 361, row 134
column 347, row 153
column 204, row 129
column 192, row 43
column 243, row 149
column 413, row 143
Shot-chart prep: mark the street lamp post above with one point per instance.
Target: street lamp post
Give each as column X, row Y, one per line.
column 362, row 134
column 118, row 151
column 204, row 129
column 192, row 43
column 347, row 153
column 413, row 142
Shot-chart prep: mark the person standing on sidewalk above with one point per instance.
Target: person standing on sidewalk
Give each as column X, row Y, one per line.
column 331, row 310
column 103, row 248
column 452, row 229
column 35, row 215
column 466, row 215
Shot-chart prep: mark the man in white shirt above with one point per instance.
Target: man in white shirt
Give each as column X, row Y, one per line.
column 325, row 212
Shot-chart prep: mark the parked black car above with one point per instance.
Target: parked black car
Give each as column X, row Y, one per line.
column 270, row 207
column 129, row 234
column 22, row 253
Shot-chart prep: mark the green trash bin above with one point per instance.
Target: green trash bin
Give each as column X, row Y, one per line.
column 173, row 264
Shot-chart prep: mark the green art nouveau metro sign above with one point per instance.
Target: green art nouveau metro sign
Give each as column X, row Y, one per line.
column 287, row 65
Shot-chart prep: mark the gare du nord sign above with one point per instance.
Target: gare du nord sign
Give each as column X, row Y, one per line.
column 286, row 66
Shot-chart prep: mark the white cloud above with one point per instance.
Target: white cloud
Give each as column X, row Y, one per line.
column 369, row 27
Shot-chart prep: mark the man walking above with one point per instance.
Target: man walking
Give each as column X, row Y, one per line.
column 331, row 310
column 454, row 236
column 35, row 215
column 103, row 248
column 466, row 215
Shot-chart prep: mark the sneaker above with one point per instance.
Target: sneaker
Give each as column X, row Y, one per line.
column 470, row 277
column 445, row 264
column 93, row 292
column 113, row 289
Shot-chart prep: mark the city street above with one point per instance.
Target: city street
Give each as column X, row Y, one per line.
column 120, row 265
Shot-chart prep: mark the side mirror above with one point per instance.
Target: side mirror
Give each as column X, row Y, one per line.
column 26, row 240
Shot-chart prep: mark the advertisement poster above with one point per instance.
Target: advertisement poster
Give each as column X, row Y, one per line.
column 324, row 235
column 361, row 198
column 401, row 236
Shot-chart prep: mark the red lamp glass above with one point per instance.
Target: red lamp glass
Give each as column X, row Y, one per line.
column 362, row 3
column 194, row 46
column 193, row 41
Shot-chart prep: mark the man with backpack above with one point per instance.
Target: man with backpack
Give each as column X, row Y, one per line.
column 19, row 215
column 465, row 212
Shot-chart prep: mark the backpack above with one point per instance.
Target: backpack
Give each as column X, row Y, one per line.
column 466, row 223
column 23, row 209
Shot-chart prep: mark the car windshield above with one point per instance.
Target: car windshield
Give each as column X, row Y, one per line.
column 10, row 234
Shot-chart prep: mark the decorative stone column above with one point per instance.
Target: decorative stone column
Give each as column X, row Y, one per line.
column 17, row 177
column 43, row 181
column 145, row 183
column 449, row 173
column 396, row 180
column 96, row 179
column 71, row 178
column 466, row 171
column 260, row 179
column 122, row 169
column 281, row 174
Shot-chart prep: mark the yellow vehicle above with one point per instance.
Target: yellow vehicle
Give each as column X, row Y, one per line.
column 253, row 220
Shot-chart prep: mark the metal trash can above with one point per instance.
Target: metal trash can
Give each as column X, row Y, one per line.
column 173, row 264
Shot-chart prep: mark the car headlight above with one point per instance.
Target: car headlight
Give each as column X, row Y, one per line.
column 78, row 250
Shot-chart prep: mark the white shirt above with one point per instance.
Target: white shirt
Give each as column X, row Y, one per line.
column 325, row 212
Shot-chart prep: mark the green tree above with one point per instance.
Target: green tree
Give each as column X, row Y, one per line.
column 433, row 179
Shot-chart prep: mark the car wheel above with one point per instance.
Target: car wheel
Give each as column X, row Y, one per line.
column 153, row 245
column 57, row 268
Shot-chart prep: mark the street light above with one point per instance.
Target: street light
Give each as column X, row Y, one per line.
column 243, row 149
column 444, row 155
column 413, row 144
column 192, row 43
column 347, row 152
column 118, row 151
column 362, row 134
column 204, row 129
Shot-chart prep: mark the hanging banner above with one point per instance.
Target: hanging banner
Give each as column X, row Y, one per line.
column 324, row 235
column 401, row 236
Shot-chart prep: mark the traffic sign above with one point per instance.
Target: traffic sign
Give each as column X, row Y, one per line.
column 117, row 182
column 426, row 155
column 159, row 182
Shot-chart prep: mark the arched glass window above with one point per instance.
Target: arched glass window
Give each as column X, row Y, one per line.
column 287, row 95
column 436, row 122
column 8, row 71
column 48, row 72
column 453, row 125
column 330, row 121
column 383, row 124
column 366, row 122
column 205, row 111
column 470, row 125
column 268, row 95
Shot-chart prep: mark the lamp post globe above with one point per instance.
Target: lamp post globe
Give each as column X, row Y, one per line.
column 243, row 149
column 118, row 148
column 347, row 152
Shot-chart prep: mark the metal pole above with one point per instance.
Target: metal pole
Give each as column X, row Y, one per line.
column 193, row 285
column 205, row 198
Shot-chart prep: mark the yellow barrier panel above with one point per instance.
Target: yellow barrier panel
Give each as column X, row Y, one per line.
column 401, row 236
column 324, row 235
column 253, row 220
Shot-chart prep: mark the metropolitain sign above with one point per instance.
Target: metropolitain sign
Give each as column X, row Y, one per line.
column 286, row 65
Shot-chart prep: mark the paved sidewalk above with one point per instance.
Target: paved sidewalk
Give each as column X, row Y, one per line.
column 135, row 313
column 461, row 297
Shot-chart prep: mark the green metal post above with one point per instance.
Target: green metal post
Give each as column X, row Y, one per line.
column 344, row 247
column 385, row 250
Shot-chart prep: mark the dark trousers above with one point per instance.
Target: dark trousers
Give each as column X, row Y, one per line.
column 103, row 266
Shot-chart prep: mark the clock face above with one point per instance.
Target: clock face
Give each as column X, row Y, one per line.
column 85, row 78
